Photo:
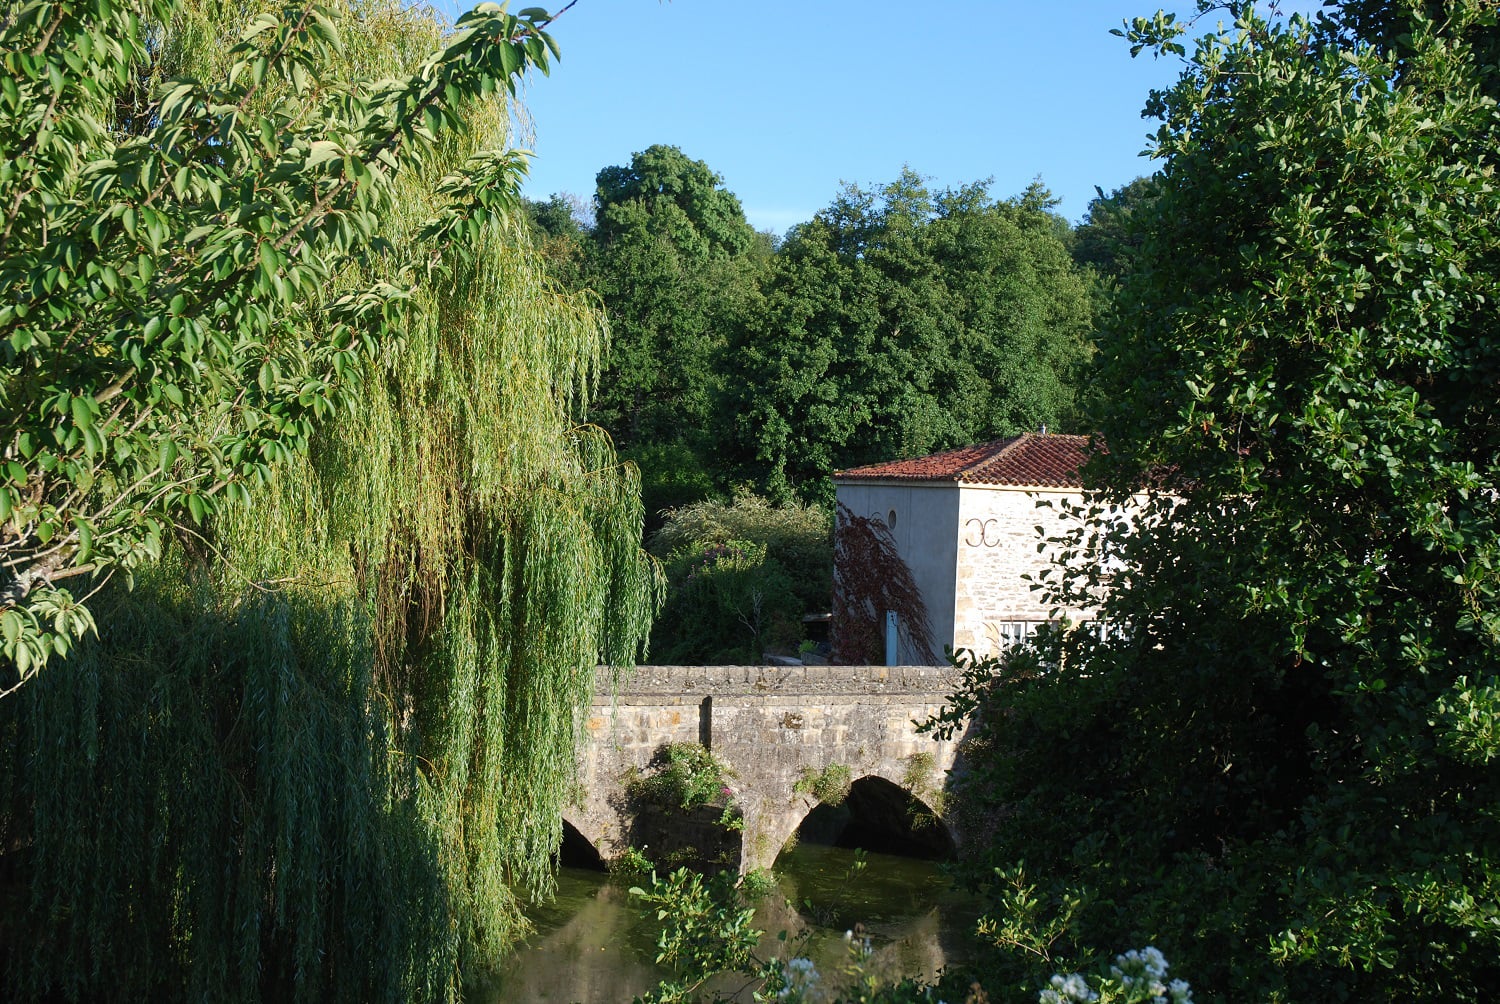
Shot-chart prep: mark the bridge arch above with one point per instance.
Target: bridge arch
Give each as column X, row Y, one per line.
column 879, row 814
column 577, row 850
column 771, row 726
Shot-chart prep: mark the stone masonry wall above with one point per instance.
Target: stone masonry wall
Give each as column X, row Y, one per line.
column 997, row 549
column 768, row 724
column 783, row 680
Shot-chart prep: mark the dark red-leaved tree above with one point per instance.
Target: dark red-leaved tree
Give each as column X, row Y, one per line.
column 869, row 579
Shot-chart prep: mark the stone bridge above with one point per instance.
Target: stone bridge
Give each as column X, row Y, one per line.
column 771, row 725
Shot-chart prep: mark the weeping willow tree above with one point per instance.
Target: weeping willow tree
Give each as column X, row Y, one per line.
column 322, row 746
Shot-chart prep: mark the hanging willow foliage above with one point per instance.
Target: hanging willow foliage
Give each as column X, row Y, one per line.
column 318, row 750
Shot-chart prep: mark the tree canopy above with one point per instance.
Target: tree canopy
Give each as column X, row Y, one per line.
column 1280, row 764
column 897, row 321
column 1108, row 238
column 904, row 321
column 673, row 266
column 321, row 748
column 740, row 577
column 169, row 322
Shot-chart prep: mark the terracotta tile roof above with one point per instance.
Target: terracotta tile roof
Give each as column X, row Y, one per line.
column 1048, row 461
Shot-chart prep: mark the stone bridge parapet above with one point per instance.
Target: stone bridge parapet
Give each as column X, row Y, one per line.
column 770, row 725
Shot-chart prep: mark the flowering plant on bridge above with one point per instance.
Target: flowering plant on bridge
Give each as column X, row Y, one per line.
column 829, row 786
column 684, row 777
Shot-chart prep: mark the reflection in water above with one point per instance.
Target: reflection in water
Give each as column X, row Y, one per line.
column 590, row 945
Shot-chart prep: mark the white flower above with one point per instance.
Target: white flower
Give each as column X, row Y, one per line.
column 800, row 976
column 1141, row 973
column 1070, row 989
column 1145, row 968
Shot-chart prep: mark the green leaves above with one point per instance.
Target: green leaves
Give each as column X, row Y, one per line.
column 703, row 929
column 164, row 275
column 261, row 689
column 902, row 321
column 1292, row 730
column 671, row 257
column 1160, row 33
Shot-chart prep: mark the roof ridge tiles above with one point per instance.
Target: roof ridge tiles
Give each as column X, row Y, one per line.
column 997, row 456
column 1043, row 460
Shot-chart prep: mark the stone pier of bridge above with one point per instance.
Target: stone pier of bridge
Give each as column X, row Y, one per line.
column 771, row 726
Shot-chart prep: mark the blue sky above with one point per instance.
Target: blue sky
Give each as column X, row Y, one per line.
column 787, row 100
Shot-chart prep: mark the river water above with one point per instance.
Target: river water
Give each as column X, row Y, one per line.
column 591, row 945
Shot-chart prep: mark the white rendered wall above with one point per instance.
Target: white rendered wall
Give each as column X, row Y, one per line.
column 925, row 517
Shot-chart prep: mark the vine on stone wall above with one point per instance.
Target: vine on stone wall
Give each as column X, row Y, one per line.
column 870, row 579
column 830, row 786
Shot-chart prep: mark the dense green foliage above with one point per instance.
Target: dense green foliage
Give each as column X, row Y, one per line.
column 1109, row 237
column 727, row 604
column 677, row 268
column 703, row 929
column 199, row 805
column 558, row 234
column 684, row 777
column 830, row 786
column 740, row 576
column 673, row 263
column 674, row 476
column 901, row 322
column 797, row 537
column 321, row 747
column 1283, row 768
column 896, row 322
column 170, row 326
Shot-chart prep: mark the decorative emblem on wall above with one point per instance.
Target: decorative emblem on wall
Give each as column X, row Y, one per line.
column 977, row 532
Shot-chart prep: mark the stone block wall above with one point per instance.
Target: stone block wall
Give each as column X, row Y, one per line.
column 721, row 681
column 997, row 549
column 769, row 725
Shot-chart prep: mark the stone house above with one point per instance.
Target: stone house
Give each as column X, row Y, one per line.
column 965, row 521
